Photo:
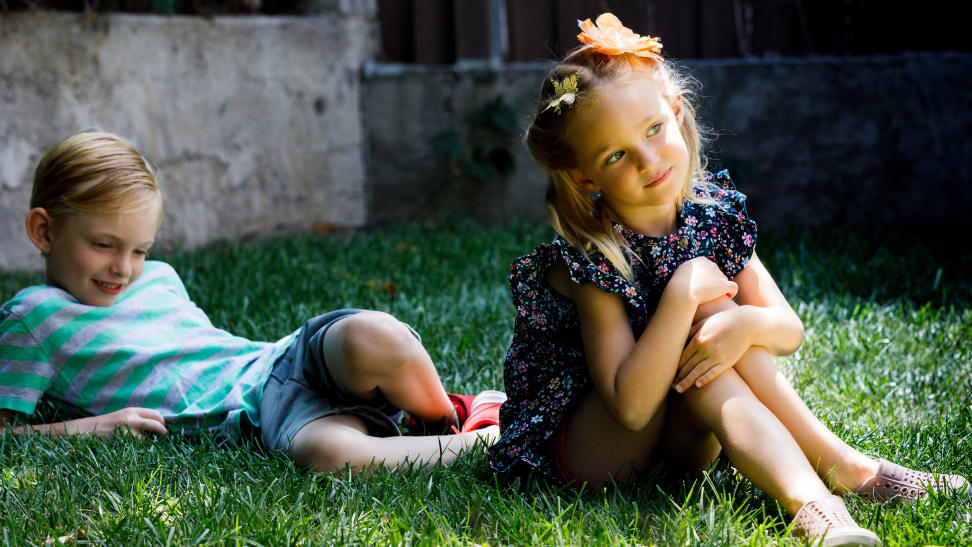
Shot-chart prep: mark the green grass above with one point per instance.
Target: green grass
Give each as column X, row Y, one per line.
column 887, row 363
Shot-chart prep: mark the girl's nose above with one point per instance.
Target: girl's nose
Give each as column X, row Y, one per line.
column 647, row 159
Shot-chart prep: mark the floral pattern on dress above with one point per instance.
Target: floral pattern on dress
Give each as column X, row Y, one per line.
column 545, row 371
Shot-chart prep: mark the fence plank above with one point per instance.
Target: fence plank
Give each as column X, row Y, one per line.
column 775, row 28
column 434, row 32
column 679, row 28
column 473, row 29
column 568, row 12
column 531, row 29
column 717, row 30
column 397, row 37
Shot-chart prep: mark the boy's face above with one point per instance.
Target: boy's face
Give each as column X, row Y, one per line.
column 96, row 257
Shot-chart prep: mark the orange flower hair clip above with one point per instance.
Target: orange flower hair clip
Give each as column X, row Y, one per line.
column 608, row 36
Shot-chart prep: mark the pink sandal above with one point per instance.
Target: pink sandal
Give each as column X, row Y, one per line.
column 895, row 483
column 827, row 523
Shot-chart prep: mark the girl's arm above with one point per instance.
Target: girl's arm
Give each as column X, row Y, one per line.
column 768, row 316
column 136, row 420
column 633, row 377
column 763, row 318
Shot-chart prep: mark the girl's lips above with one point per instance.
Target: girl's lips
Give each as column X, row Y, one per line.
column 108, row 288
column 659, row 179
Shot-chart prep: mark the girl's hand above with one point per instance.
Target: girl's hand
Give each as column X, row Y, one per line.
column 701, row 280
column 716, row 343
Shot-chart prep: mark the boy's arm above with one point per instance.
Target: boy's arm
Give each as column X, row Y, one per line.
column 135, row 420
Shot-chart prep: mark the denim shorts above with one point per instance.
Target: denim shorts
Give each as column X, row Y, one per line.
column 300, row 390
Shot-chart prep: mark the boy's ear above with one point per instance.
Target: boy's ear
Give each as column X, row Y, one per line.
column 586, row 184
column 677, row 109
column 40, row 226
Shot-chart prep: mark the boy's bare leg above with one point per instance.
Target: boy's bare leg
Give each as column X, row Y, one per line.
column 372, row 353
column 842, row 466
column 369, row 354
column 332, row 442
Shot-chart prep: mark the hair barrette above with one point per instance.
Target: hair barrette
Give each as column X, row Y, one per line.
column 565, row 93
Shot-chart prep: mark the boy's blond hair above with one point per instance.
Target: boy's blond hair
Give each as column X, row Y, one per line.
column 95, row 172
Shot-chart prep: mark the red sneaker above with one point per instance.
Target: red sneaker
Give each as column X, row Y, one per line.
column 463, row 404
column 484, row 410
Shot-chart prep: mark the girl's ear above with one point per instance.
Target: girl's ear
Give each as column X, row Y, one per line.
column 585, row 184
column 677, row 109
column 40, row 227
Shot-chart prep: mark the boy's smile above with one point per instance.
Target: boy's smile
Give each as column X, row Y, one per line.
column 96, row 257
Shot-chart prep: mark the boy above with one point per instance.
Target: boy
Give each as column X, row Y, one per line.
column 115, row 339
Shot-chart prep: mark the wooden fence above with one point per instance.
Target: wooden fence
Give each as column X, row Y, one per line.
column 446, row 31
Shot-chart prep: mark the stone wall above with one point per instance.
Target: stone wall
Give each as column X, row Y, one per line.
column 254, row 121
column 266, row 124
column 867, row 143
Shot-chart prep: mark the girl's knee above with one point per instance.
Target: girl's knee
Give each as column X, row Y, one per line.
column 713, row 307
column 707, row 402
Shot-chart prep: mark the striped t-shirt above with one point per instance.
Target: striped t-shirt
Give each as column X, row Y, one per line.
column 153, row 348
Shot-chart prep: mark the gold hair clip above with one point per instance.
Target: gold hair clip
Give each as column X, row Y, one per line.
column 608, row 36
column 565, row 93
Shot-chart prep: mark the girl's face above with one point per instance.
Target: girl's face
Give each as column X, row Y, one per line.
column 96, row 257
column 628, row 147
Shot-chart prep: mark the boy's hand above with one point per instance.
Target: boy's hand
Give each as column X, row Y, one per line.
column 136, row 420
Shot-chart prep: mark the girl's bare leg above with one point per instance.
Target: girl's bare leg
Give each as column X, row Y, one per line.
column 843, row 467
column 597, row 448
column 757, row 443
column 370, row 354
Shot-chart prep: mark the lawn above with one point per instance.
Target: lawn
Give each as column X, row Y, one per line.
column 887, row 362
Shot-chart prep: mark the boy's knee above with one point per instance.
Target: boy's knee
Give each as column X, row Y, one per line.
column 376, row 334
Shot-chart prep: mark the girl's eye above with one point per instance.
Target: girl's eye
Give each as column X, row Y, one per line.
column 654, row 129
column 615, row 157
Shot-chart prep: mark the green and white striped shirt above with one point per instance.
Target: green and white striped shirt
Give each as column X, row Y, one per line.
column 153, row 348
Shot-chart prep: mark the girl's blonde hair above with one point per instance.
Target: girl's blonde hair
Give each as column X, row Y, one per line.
column 95, row 172
column 582, row 220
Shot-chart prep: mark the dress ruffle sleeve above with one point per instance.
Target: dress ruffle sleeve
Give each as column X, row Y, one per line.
column 595, row 268
column 736, row 231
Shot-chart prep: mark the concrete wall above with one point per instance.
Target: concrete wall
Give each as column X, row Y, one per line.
column 254, row 121
column 882, row 142
column 264, row 124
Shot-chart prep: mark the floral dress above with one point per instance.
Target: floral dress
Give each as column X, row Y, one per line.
column 546, row 372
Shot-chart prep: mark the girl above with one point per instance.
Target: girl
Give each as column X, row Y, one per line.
column 651, row 250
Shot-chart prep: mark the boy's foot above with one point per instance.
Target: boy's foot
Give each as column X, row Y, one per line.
column 827, row 523
column 462, row 403
column 895, row 483
column 482, row 410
